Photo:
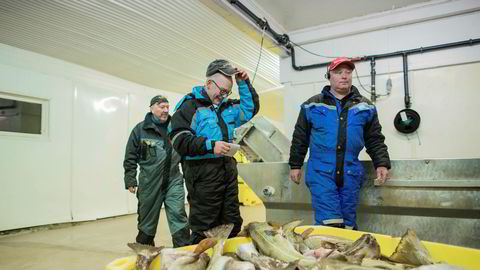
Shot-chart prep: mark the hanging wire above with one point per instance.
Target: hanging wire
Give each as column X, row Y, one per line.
column 316, row 54
column 259, row 54
column 418, row 136
column 360, row 83
column 364, row 89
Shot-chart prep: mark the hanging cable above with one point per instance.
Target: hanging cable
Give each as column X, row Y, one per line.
column 363, row 88
column 310, row 52
column 259, row 54
column 360, row 83
column 418, row 136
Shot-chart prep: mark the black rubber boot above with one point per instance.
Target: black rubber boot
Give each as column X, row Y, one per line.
column 145, row 239
column 195, row 238
column 181, row 237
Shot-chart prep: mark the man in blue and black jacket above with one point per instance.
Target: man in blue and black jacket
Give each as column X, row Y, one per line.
column 336, row 124
column 201, row 128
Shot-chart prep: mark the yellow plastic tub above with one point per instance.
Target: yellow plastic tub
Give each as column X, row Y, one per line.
column 467, row 258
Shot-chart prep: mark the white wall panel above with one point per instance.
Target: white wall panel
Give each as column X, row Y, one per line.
column 137, row 108
column 100, row 120
column 297, row 94
column 35, row 170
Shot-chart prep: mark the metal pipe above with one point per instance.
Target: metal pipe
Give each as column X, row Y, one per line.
column 292, row 53
column 372, row 76
column 405, row 81
column 281, row 39
column 468, row 42
column 257, row 20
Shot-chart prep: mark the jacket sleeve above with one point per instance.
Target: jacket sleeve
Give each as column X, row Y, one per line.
column 131, row 159
column 183, row 137
column 300, row 141
column 249, row 102
column 374, row 143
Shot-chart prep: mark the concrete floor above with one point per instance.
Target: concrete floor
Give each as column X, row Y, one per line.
column 90, row 245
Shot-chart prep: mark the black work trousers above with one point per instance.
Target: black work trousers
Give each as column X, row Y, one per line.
column 212, row 195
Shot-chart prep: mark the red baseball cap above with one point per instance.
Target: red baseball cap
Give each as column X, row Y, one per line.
column 341, row 60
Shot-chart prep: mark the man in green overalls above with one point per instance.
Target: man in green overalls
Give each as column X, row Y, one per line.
column 160, row 180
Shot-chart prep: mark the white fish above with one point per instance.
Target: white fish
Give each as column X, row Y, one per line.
column 271, row 242
column 248, row 252
column 218, row 261
column 145, row 254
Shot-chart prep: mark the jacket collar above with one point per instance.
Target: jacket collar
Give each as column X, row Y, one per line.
column 353, row 95
column 149, row 124
column 200, row 93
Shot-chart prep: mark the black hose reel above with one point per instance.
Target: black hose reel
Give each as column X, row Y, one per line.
column 407, row 120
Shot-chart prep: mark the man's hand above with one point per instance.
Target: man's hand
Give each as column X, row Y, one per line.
column 241, row 75
column 132, row 189
column 295, row 175
column 221, row 148
column 382, row 175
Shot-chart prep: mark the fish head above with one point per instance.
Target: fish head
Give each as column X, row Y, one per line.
column 145, row 254
column 410, row 250
column 290, row 226
column 364, row 247
column 219, row 232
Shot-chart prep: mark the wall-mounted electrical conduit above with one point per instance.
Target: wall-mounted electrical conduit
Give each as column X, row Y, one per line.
column 407, row 120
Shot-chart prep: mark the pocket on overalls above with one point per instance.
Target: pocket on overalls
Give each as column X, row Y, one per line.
column 318, row 171
column 148, row 149
column 357, row 175
column 189, row 176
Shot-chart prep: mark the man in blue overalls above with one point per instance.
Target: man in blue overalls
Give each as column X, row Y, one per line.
column 336, row 124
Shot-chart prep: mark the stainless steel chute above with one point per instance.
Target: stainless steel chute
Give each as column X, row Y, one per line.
column 438, row 198
column 260, row 140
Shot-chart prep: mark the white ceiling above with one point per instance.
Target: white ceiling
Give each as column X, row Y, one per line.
column 299, row 14
column 165, row 44
column 161, row 44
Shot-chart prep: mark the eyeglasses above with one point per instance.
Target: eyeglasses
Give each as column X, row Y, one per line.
column 223, row 91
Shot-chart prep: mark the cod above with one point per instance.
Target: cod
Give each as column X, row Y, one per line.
column 218, row 261
column 272, row 242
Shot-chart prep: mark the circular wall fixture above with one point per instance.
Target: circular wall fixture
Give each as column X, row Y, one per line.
column 407, row 121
